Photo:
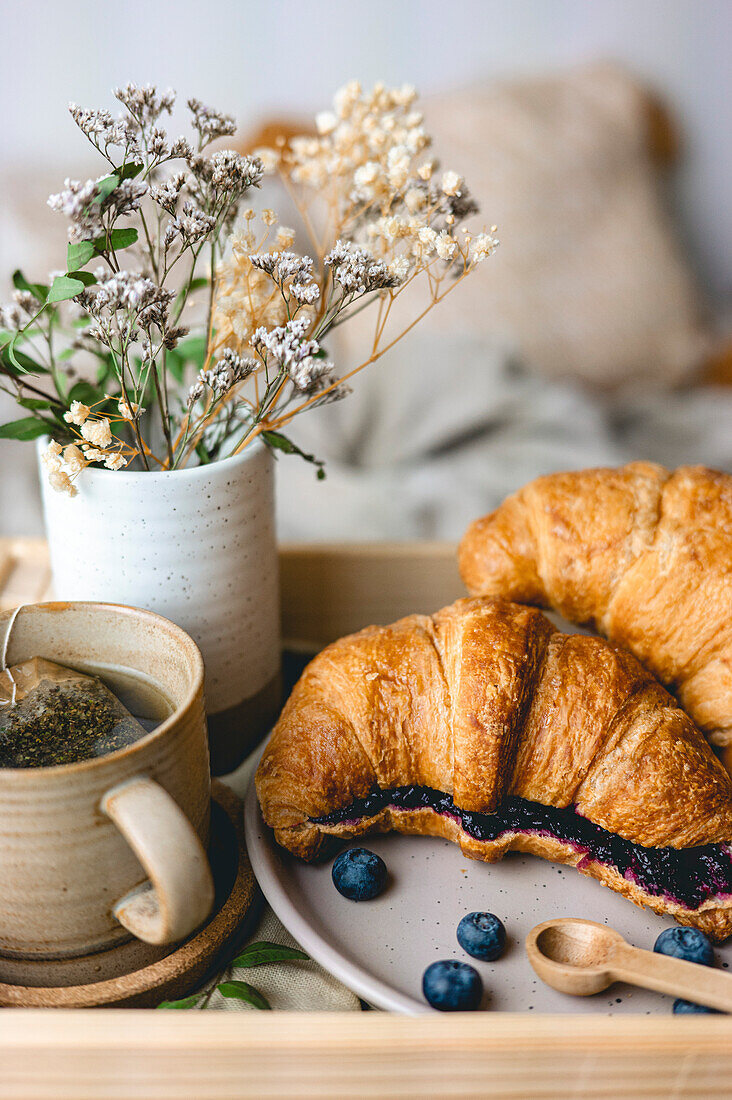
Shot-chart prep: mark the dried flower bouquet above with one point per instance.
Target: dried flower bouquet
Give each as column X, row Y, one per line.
column 206, row 329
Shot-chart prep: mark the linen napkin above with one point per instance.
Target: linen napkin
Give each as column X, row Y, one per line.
column 296, row 986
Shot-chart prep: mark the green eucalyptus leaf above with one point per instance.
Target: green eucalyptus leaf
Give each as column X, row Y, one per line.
column 105, row 371
column 195, row 284
column 184, row 1002
column 38, row 290
column 121, row 238
column 13, row 357
column 257, row 954
column 279, row 442
column 129, row 171
column 64, row 287
column 175, row 365
column 19, row 362
column 84, row 277
column 79, row 253
column 27, row 428
column 242, row 991
column 192, row 349
column 33, row 403
column 105, row 187
column 86, row 393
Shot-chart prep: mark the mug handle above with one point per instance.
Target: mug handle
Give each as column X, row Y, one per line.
column 180, row 893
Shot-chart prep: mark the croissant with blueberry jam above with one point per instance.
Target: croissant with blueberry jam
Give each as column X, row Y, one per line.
column 485, row 725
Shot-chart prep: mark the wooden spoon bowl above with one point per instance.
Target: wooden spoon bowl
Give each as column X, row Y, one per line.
column 582, row 957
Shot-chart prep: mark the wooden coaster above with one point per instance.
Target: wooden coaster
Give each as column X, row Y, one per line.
column 142, row 979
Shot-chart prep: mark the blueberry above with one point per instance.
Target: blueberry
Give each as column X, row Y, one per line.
column 482, row 935
column 452, row 986
column 359, row 874
column 685, row 943
column 681, row 1006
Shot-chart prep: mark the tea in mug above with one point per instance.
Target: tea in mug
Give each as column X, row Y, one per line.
column 51, row 715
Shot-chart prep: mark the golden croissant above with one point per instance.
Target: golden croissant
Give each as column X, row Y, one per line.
column 640, row 553
column 485, row 725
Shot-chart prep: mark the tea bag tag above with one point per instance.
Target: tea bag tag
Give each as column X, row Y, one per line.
column 4, row 657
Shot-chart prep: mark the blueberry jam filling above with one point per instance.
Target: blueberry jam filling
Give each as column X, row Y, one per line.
column 689, row 876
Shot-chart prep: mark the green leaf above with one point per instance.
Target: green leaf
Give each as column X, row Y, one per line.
column 84, row 277
column 257, row 954
column 105, row 371
column 86, row 393
column 175, row 365
column 279, row 442
column 129, row 171
column 121, row 238
column 20, row 282
column 242, row 991
column 19, row 362
column 14, row 359
column 184, row 1002
column 63, row 288
column 105, row 187
column 195, row 284
column 27, row 428
column 193, row 350
column 34, row 403
column 79, row 254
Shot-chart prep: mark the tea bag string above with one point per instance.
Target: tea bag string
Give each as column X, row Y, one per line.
column 4, row 654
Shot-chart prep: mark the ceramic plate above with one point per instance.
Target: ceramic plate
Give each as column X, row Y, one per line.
column 380, row 948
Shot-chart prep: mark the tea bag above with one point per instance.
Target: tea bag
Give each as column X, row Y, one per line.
column 50, row 714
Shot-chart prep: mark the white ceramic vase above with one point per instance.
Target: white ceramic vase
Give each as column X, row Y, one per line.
column 197, row 546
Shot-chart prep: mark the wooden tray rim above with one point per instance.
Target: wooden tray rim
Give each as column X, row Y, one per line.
column 110, row 1053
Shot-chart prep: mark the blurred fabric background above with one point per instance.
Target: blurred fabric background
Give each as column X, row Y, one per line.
column 596, row 135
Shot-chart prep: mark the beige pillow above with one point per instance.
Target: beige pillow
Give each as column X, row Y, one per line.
column 589, row 281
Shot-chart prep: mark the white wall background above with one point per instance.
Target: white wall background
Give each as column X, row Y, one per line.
column 258, row 57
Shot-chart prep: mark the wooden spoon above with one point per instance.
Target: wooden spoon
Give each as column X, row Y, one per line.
column 582, row 957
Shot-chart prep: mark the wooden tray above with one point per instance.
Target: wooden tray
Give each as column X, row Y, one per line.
column 94, row 1054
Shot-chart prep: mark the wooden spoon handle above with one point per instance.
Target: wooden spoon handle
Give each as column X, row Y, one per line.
column 689, row 980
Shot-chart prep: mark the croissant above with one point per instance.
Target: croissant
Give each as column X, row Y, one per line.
column 642, row 554
column 485, row 725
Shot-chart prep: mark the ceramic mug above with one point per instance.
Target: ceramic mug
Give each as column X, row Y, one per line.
column 93, row 851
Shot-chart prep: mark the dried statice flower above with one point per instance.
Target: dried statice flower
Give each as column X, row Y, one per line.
column 104, row 131
column 168, row 193
column 141, row 302
column 12, row 317
column 157, row 144
column 145, row 103
column 171, row 337
column 209, row 123
column 190, row 226
column 76, row 202
column 288, row 270
column 286, row 348
column 27, row 302
column 305, row 293
column 224, row 177
column 356, row 270
column 88, row 208
column 228, row 371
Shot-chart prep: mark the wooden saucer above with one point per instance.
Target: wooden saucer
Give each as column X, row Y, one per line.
column 141, row 978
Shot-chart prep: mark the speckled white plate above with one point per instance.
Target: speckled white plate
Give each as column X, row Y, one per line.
column 381, row 948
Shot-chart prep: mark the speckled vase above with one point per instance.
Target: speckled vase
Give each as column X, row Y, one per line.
column 197, row 546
